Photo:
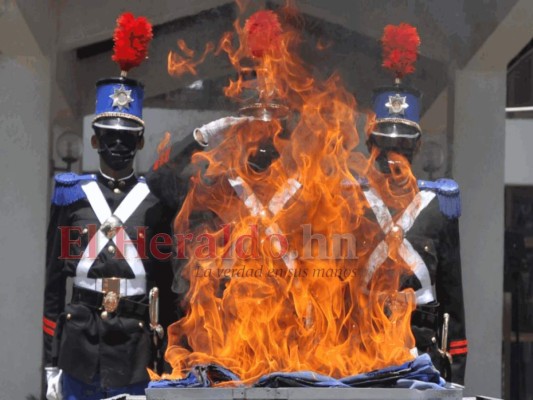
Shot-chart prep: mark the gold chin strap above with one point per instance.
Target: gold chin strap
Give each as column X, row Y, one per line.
column 118, row 115
column 399, row 121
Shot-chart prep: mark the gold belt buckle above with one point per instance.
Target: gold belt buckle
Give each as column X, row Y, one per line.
column 111, row 288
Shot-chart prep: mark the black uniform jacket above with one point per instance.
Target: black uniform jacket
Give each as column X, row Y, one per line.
column 435, row 237
column 76, row 337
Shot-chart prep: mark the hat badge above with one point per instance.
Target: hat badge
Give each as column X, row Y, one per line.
column 397, row 104
column 121, row 98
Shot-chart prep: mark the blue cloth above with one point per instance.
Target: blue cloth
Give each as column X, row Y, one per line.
column 298, row 379
column 190, row 381
column 421, row 369
column 199, row 376
column 418, row 385
column 74, row 389
column 417, row 374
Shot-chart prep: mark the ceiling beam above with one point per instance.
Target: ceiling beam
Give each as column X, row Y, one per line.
column 82, row 26
column 42, row 19
column 368, row 18
column 511, row 35
column 195, row 31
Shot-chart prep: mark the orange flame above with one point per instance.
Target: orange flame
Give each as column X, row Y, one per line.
column 178, row 64
column 303, row 301
column 163, row 151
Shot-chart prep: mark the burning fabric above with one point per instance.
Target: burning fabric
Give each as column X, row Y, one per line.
column 277, row 236
column 417, row 374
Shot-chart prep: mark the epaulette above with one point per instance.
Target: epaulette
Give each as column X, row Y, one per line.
column 68, row 189
column 448, row 193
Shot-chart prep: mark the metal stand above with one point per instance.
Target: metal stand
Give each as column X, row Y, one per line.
column 455, row 393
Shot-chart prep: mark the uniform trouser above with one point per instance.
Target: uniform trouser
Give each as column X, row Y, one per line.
column 73, row 389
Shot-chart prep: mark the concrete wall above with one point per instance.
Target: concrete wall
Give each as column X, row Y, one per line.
column 519, row 152
column 24, row 200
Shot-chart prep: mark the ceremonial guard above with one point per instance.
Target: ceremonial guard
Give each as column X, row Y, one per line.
column 267, row 114
column 101, row 235
column 424, row 213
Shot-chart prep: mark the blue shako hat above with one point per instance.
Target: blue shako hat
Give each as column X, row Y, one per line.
column 122, row 98
column 397, row 107
column 397, row 110
column 119, row 97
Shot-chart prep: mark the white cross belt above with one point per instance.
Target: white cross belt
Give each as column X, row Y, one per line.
column 128, row 287
column 275, row 205
column 406, row 251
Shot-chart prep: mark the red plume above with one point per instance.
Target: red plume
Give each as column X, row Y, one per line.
column 400, row 48
column 263, row 31
column 132, row 37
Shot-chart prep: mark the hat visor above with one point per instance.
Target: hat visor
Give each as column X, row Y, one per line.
column 122, row 123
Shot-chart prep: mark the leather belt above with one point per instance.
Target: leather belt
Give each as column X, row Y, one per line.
column 126, row 286
column 426, row 316
column 96, row 301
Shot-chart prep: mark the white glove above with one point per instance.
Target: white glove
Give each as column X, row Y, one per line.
column 53, row 381
column 211, row 134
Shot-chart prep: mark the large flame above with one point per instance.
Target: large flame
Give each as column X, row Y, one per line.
column 272, row 288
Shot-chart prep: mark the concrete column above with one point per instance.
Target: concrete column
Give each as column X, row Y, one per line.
column 479, row 140
column 24, row 201
column 479, row 93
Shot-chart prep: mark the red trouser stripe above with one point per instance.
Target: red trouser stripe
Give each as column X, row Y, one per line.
column 49, row 323
column 48, row 331
column 459, row 343
column 48, row 326
column 461, row 350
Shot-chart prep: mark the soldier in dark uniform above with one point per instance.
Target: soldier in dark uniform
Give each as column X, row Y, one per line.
column 426, row 214
column 101, row 235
